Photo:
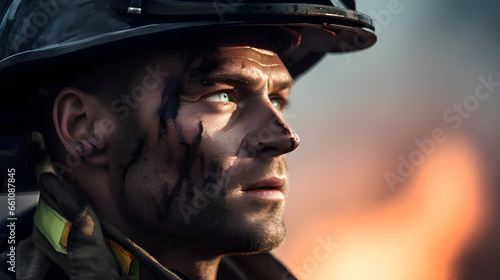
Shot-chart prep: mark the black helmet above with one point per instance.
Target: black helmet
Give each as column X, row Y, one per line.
column 35, row 31
column 39, row 34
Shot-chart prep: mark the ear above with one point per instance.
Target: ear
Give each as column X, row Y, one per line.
column 76, row 116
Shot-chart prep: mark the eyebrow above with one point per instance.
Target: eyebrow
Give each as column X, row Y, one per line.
column 237, row 78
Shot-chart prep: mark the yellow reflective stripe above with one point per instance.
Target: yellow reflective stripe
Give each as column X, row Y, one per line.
column 53, row 226
column 123, row 257
column 64, row 235
column 56, row 229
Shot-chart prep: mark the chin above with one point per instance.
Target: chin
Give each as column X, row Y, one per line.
column 257, row 240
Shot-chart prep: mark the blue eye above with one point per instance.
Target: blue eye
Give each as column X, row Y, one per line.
column 276, row 104
column 220, row 97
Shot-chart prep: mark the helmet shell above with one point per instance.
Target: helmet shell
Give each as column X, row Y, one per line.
column 48, row 29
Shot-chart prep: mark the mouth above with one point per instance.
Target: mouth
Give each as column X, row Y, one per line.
column 269, row 189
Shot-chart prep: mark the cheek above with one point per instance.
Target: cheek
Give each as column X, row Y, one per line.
column 146, row 185
column 147, row 181
column 221, row 147
column 223, row 143
column 213, row 122
column 147, row 112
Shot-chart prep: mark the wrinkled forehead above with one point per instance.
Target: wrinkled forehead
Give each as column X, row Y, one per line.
column 242, row 54
column 243, row 62
column 260, row 50
column 260, row 56
column 246, row 54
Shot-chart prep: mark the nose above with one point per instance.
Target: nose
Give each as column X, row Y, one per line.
column 269, row 135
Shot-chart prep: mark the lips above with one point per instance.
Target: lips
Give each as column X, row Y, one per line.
column 273, row 183
column 272, row 189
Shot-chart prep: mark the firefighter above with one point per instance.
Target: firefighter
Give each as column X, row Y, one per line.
column 164, row 125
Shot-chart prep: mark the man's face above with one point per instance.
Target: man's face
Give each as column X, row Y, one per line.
column 202, row 156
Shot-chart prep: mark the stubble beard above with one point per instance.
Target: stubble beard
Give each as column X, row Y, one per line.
column 219, row 224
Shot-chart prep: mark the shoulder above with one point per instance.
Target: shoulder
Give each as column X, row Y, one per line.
column 26, row 261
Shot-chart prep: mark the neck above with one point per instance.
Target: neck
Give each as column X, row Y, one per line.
column 191, row 259
column 196, row 260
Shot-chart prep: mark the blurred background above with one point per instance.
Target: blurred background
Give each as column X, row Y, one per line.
column 395, row 177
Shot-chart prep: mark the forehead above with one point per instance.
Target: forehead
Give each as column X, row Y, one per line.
column 237, row 55
column 227, row 58
column 263, row 57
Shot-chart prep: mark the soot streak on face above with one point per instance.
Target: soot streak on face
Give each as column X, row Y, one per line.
column 281, row 125
column 207, row 66
column 169, row 111
column 293, row 140
column 192, row 156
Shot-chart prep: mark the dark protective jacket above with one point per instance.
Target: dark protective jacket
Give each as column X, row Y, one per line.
column 70, row 241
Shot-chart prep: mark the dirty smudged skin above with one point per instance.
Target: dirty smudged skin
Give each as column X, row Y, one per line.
column 168, row 113
column 196, row 142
